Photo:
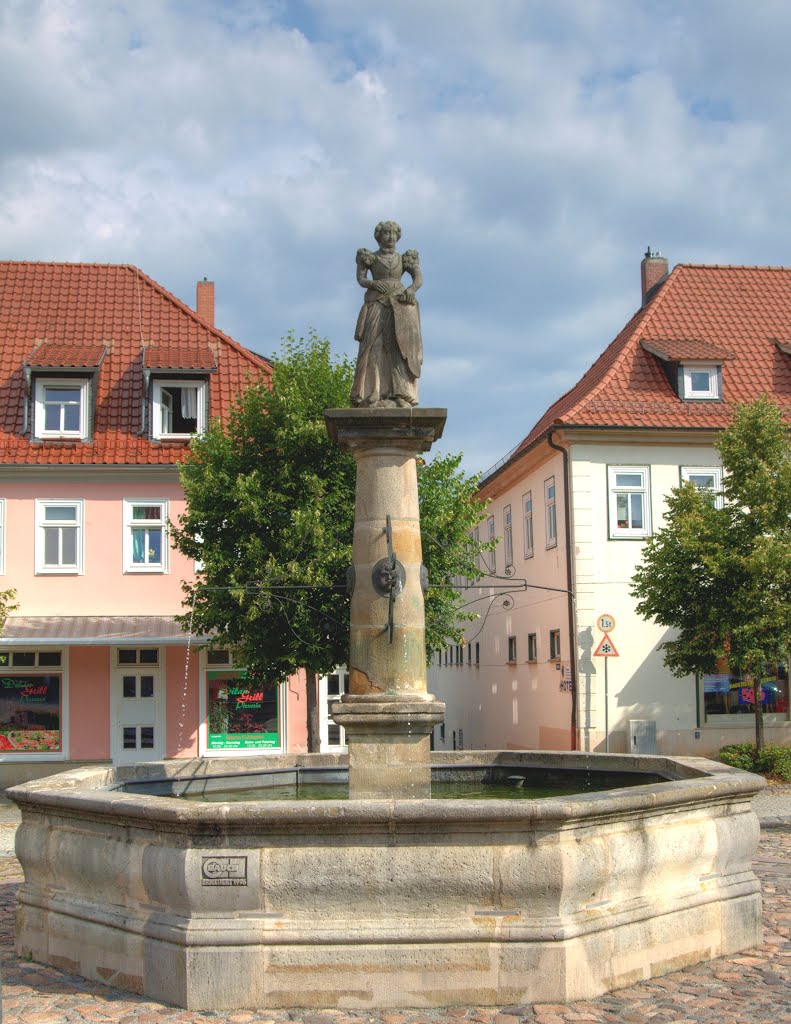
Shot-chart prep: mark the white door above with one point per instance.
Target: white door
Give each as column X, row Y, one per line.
column 331, row 688
column 137, row 707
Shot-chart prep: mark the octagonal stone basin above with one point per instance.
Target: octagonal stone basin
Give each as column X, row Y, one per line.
column 379, row 903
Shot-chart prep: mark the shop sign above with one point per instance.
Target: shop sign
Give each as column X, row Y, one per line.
column 241, row 716
column 716, row 682
column 30, row 713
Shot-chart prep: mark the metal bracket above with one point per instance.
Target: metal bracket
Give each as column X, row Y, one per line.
column 389, row 576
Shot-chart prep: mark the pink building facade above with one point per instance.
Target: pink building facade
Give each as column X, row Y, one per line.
column 104, row 376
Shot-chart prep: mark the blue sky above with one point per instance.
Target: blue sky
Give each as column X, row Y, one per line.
column 530, row 149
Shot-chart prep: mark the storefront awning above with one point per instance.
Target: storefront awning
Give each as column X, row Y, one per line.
column 84, row 630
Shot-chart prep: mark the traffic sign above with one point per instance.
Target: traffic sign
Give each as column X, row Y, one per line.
column 606, row 623
column 606, row 648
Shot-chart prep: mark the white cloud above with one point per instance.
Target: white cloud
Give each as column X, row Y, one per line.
column 530, row 151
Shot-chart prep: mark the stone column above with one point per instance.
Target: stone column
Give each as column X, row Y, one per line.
column 388, row 715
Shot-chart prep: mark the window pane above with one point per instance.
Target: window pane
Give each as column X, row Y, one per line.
column 149, row 656
column 127, row 657
column 52, row 417
column 139, row 547
column 154, row 546
column 704, row 481
column 130, row 686
column 333, row 685
column 622, row 510
column 130, row 737
column 69, row 545
column 146, row 512
column 49, row 657
column 636, row 501
column 146, row 686
column 64, row 395
column 700, row 380
column 628, row 479
column 333, row 734
column 51, row 546
column 71, row 417
column 23, row 658
column 146, row 736
column 60, row 514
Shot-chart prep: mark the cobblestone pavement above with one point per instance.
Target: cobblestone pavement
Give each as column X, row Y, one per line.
column 753, row 987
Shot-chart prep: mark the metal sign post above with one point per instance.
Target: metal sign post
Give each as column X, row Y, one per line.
column 606, row 650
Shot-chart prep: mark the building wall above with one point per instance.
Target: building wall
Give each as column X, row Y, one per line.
column 519, row 704
column 103, row 587
column 639, row 685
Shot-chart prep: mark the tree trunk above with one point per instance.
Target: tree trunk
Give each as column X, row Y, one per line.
column 759, row 713
column 312, row 701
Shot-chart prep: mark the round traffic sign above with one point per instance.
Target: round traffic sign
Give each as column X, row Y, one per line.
column 606, row 623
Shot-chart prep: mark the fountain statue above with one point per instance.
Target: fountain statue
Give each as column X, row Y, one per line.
column 390, row 898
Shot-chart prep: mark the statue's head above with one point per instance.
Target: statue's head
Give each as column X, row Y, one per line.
column 386, row 225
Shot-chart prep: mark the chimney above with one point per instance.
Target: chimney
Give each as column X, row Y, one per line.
column 653, row 271
column 204, row 302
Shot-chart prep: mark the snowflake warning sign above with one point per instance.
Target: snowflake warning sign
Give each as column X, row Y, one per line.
column 606, row 648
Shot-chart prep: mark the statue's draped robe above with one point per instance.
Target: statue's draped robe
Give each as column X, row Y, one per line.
column 391, row 346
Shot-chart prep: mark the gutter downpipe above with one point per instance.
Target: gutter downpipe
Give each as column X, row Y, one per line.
column 572, row 611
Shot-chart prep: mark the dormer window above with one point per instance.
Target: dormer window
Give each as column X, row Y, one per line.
column 700, row 381
column 61, row 407
column 178, row 408
column 179, row 389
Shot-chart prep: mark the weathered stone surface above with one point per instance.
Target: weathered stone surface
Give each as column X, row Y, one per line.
column 378, row 903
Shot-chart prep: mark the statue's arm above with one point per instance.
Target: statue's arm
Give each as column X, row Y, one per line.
column 411, row 263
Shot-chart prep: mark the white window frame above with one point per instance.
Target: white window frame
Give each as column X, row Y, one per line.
column 156, row 406
column 713, row 390
column 527, row 523
column 42, row 504
column 613, row 492
column 551, row 512
column 508, row 536
column 77, row 384
column 687, row 472
column 130, row 524
column 491, row 532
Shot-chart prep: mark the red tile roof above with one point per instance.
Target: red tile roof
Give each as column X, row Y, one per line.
column 700, row 312
column 178, row 357
column 51, row 354
column 72, row 310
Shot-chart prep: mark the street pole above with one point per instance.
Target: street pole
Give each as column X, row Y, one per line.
column 606, row 708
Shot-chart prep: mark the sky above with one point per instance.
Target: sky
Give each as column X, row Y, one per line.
column 530, row 149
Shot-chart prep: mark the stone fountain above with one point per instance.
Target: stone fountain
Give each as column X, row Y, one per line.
column 390, row 898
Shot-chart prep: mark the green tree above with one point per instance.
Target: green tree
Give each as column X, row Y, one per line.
column 270, row 511
column 720, row 577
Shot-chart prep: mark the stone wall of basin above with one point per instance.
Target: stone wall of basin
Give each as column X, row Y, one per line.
column 381, row 903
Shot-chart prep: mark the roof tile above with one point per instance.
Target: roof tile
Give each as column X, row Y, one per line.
column 66, row 315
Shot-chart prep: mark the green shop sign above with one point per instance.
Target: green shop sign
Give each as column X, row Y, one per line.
column 242, row 716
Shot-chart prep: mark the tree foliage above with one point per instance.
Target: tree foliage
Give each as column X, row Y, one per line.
column 720, row 577
column 270, row 507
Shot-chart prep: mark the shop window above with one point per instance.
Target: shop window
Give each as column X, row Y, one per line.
column 729, row 693
column 31, row 713
column 242, row 715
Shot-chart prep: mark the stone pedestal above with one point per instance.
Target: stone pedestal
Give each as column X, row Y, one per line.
column 388, row 715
